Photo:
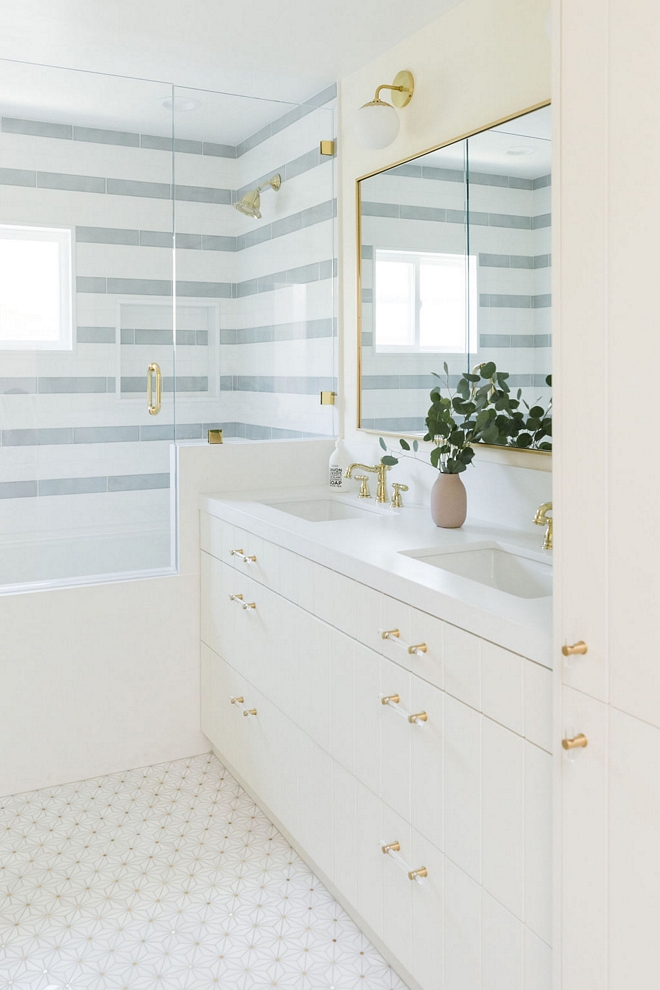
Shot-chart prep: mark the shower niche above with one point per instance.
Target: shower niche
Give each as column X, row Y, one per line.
column 138, row 186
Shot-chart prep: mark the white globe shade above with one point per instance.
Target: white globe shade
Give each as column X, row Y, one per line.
column 376, row 124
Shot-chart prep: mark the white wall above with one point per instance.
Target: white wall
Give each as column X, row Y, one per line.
column 102, row 678
column 607, row 76
column 481, row 61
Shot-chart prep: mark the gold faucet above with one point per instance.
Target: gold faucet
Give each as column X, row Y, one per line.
column 543, row 519
column 379, row 469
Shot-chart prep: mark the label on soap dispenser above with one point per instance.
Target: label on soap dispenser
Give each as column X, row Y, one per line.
column 336, row 476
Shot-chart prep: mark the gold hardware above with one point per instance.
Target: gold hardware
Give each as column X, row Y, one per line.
column 364, row 485
column 391, row 847
column 328, row 398
column 393, row 699
column 250, row 204
column 327, row 148
column 421, row 872
column 390, row 634
column 244, row 557
column 574, row 648
column 215, row 436
column 402, row 89
column 154, row 407
column 397, row 502
column 239, row 599
column 418, row 648
column 240, row 700
column 418, row 717
column 543, row 519
column 379, row 469
column 577, row 742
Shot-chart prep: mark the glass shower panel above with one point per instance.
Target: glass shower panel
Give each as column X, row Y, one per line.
column 255, row 309
column 86, row 216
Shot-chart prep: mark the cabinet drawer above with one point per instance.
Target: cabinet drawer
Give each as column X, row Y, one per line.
column 257, row 558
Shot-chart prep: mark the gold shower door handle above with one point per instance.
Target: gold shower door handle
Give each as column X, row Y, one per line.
column 154, row 407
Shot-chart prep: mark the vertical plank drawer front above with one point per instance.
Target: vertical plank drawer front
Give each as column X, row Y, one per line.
column 427, row 642
column 397, row 886
column 214, row 628
column 396, row 737
column 369, row 857
column 503, row 839
column 214, row 721
column 368, row 718
column 502, row 686
column 426, row 762
column 368, row 615
column 462, row 786
column 427, row 946
column 394, row 630
column 462, row 666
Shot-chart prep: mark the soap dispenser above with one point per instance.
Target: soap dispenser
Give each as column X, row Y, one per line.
column 336, row 466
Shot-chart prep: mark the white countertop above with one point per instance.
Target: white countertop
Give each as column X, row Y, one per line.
column 368, row 550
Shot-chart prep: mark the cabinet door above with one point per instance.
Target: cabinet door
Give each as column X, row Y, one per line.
column 428, row 936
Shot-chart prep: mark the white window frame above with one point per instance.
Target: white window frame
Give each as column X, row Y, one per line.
column 416, row 258
column 63, row 237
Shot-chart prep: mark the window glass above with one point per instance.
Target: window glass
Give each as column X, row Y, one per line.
column 35, row 288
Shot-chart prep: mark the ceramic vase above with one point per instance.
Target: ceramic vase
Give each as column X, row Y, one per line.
column 448, row 501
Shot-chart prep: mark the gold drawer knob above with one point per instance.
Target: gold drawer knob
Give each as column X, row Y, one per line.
column 246, row 558
column 391, row 847
column 418, row 648
column 243, row 604
column 238, row 700
column 574, row 648
column 577, row 742
column 421, row 872
column 390, row 699
column 390, row 634
column 250, row 711
column 418, row 717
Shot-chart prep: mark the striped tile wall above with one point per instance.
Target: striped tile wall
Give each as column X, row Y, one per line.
column 509, row 232
column 253, row 368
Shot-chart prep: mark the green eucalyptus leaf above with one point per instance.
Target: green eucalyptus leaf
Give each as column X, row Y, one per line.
column 488, row 370
column 404, row 444
column 415, row 446
column 382, row 443
column 446, row 368
column 435, row 456
column 471, row 378
column 523, row 440
column 537, row 412
column 389, row 460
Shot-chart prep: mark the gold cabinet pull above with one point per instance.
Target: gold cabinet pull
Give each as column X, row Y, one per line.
column 574, row 648
column 390, row 847
column 390, row 699
column 577, row 742
column 239, row 599
column 154, row 407
column 418, row 717
column 395, row 634
column 246, row 558
column 239, row 701
column 421, row 872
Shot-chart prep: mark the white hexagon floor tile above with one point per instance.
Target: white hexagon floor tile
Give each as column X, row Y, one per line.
column 166, row 878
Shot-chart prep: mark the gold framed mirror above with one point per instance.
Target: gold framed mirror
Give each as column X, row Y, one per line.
column 454, row 273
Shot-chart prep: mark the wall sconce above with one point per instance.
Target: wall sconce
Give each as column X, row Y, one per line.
column 377, row 123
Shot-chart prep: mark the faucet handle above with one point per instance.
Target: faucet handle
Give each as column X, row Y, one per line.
column 364, row 485
column 397, row 501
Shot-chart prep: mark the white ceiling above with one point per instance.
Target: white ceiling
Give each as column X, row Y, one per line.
column 287, row 50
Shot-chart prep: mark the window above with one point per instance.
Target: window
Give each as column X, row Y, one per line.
column 425, row 302
column 35, row 288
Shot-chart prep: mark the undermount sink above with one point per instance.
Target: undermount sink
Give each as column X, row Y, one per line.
column 320, row 510
column 513, row 572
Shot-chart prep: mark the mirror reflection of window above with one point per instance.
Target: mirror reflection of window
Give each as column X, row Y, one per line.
column 424, row 302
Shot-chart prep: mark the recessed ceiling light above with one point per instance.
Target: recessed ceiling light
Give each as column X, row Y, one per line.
column 519, row 152
column 180, row 104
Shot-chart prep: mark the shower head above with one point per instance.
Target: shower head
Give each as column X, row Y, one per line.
column 249, row 205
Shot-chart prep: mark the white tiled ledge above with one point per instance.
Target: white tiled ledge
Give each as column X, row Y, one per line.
column 366, row 550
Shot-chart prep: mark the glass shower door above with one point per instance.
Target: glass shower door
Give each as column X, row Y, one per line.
column 86, row 301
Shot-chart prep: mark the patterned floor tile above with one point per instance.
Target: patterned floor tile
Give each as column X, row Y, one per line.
column 166, row 878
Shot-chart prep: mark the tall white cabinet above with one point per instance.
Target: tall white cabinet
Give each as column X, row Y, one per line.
column 607, row 480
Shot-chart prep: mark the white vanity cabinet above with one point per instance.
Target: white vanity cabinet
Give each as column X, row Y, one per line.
column 455, row 769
